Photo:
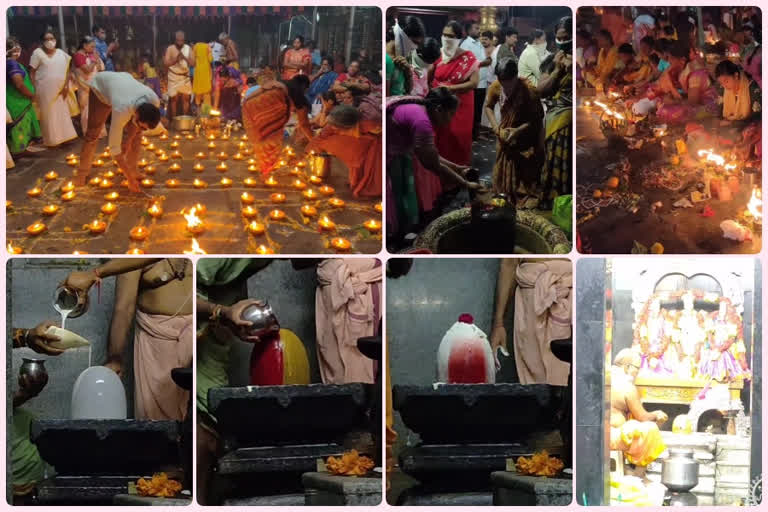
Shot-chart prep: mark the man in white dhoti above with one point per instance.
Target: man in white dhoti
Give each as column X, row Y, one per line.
column 178, row 60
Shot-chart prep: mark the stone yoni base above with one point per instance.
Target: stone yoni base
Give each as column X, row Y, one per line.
column 323, row 489
column 512, row 489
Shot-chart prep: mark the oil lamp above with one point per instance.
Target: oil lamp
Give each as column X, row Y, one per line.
column 108, row 208
column 277, row 214
column 106, row 184
column 309, row 194
column 211, row 145
column 263, row 249
column 238, row 156
column 315, row 180
column 139, row 233
column 147, row 183
column 256, row 228
column 135, row 250
column 68, row 196
column 172, row 183
column 50, row 209
column 299, row 185
column 36, row 228
column 336, row 202
column 341, row 244
column 377, row 207
column 111, row 196
column 97, row 226
column 164, row 157
column 326, row 224
column 222, row 156
column 194, row 223
column 199, row 183
column 372, row 225
column 176, row 154
column 95, row 181
column 277, row 197
column 222, row 167
column 308, row 210
column 36, row 191
column 199, row 155
column 14, row 249
column 143, row 162
column 271, row 182
column 247, row 198
column 155, row 211
column 225, row 182
column 249, row 212
column 198, row 167
column 250, row 182
column 252, row 168
column 51, row 175
column 327, row 190
column 174, row 167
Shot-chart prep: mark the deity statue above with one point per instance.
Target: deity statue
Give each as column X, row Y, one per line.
column 691, row 336
column 652, row 335
column 723, row 356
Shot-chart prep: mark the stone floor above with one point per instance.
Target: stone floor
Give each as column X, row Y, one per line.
column 679, row 230
column 225, row 227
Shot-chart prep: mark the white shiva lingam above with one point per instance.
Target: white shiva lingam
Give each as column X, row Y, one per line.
column 465, row 356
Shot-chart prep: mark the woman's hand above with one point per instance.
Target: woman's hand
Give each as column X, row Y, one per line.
column 232, row 316
column 65, row 90
column 38, row 340
column 499, row 342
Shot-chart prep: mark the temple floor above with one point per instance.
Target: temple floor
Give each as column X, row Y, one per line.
column 615, row 228
column 225, row 227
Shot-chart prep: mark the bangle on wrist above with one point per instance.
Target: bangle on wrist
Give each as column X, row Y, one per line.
column 216, row 315
column 19, row 338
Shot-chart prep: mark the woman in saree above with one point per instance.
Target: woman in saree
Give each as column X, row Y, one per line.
column 49, row 67
column 741, row 108
column 557, row 173
column 353, row 80
column 322, row 81
column 519, row 146
column 356, row 142
column 268, row 109
column 458, row 71
column 229, row 81
column 22, row 129
column 297, row 60
column 607, row 57
column 411, row 125
column 87, row 63
column 688, row 92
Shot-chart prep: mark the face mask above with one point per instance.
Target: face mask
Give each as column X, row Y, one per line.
column 450, row 45
column 403, row 44
column 50, row 45
column 564, row 45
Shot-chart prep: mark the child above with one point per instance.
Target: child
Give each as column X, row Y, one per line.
column 149, row 74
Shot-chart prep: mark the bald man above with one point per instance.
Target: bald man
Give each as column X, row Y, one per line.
column 178, row 60
column 634, row 430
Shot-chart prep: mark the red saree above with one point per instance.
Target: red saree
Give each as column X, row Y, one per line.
column 454, row 141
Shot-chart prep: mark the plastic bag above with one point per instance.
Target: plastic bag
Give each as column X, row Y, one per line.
column 562, row 213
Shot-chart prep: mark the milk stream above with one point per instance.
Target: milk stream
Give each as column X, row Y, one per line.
column 64, row 314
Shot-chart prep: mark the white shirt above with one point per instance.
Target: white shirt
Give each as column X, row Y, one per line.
column 477, row 49
column 123, row 93
column 217, row 51
column 492, row 68
column 528, row 66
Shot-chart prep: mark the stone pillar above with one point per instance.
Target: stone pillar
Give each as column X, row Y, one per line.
column 591, row 458
column 756, row 406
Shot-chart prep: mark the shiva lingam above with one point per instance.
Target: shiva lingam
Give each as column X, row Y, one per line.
column 459, row 456
column 280, row 451
column 493, row 223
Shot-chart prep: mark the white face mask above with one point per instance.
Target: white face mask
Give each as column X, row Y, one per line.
column 450, row 45
column 404, row 47
column 50, row 45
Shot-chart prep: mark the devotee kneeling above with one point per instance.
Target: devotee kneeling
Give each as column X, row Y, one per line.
column 134, row 108
column 634, row 431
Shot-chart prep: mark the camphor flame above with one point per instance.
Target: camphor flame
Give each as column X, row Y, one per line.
column 712, row 156
column 755, row 205
column 193, row 221
column 196, row 249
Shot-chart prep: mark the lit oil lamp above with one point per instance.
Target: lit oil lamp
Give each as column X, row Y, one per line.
column 36, row 228
column 73, row 162
column 326, row 224
column 151, row 147
column 211, row 145
column 200, row 155
column 241, row 145
column 327, row 190
column 372, row 225
column 341, row 244
column 164, row 136
column 199, row 183
column 336, row 202
column 201, row 209
column 277, row 197
column 147, row 183
column 174, row 167
column 244, row 137
column 315, row 180
column 109, row 174
column 222, row 167
column 277, row 214
column 256, row 228
column 263, row 249
column 105, row 153
column 177, row 137
column 143, row 162
column 309, row 194
column 271, row 182
column 251, row 161
column 109, row 208
column 247, row 198
column 97, row 226
column 164, row 157
column 211, row 137
column 135, row 250
column 68, row 196
column 224, row 136
column 144, row 141
column 155, row 211
column 195, row 224
column 174, row 144
column 14, row 249
column 51, row 175
column 106, row 184
column 176, row 154
column 198, row 167
column 195, row 249
column 377, row 207
column 238, row 156
column 299, row 185
column 190, row 136
column 95, row 181
column 8, row 204
column 50, row 209
column 281, row 163
column 252, row 168
column 68, row 187
column 98, row 163
column 295, row 171
column 222, row 156
column 71, row 156
column 172, row 183
column 159, row 152
column 301, row 164
column 139, row 233
column 308, row 211
column 250, row 182
column 111, row 196
column 249, row 212
column 225, row 182
column 36, row 191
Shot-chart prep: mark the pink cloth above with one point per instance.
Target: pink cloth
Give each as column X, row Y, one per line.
column 161, row 343
column 347, row 307
column 542, row 314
